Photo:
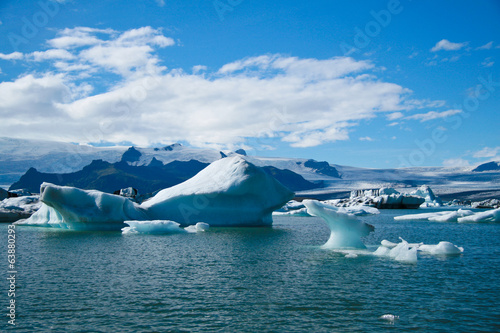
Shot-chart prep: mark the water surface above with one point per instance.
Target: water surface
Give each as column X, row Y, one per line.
column 255, row 279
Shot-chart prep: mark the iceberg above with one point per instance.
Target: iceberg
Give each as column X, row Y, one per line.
column 161, row 227
column 15, row 208
column 446, row 216
column 488, row 216
column 346, row 229
column 228, row 192
column 444, row 248
column 383, row 198
column 431, row 200
column 407, row 252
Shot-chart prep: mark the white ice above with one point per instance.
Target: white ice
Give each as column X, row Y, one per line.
column 461, row 216
column 161, row 227
column 444, row 248
column 152, row 227
column 389, row 317
column 228, row 192
column 488, row 216
column 198, row 227
column 407, row 252
column 346, row 229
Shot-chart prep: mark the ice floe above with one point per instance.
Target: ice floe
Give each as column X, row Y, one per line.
column 161, row 227
column 461, row 216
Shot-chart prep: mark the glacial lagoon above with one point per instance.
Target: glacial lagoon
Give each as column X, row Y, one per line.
column 275, row 279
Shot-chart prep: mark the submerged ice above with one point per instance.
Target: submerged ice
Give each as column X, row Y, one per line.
column 228, row 192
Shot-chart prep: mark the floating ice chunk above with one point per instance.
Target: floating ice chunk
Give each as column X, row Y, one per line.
column 228, row 192
column 15, row 208
column 73, row 208
column 389, row 317
column 346, row 229
column 404, row 252
column 360, row 210
column 418, row 217
column 446, row 216
column 297, row 212
column 488, row 216
column 444, row 248
column 391, row 245
column 351, row 255
column 382, row 251
column 152, row 227
column 451, row 216
column 198, row 227
column 431, row 200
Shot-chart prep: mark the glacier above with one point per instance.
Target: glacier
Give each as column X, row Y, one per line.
column 228, row 192
column 346, row 229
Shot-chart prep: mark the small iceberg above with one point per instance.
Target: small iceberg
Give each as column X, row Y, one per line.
column 157, row 227
column 389, row 317
column 461, row 216
column 442, row 248
column 346, row 229
column 488, row 216
column 407, row 252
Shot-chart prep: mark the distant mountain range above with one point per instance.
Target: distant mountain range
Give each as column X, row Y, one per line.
column 27, row 163
column 110, row 177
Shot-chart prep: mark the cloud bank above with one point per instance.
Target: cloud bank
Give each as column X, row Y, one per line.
column 104, row 85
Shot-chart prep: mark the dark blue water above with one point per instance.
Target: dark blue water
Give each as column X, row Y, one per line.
column 250, row 280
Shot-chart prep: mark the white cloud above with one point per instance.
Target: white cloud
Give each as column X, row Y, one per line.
column 433, row 115
column 130, row 53
column 199, row 68
column 456, row 162
column 394, row 115
column 11, row 56
column 366, row 138
column 304, row 102
column 78, row 37
column 51, row 54
column 487, row 152
column 446, row 45
column 486, row 46
column 488, row 62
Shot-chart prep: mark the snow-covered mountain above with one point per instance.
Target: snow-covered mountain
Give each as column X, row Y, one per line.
column 17, row 156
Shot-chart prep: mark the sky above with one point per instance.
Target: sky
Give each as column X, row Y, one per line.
column 376, row 84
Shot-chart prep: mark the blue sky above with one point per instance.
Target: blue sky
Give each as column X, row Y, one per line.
column 364, row 83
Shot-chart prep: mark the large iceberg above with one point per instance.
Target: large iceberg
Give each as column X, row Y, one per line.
column 346, row 229
column 72, row 208
column 228, row 192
